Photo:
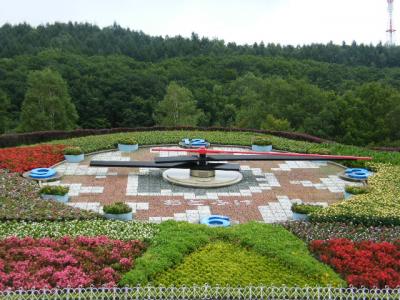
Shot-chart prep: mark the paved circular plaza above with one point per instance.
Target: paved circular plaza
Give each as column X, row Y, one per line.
column 266, row 193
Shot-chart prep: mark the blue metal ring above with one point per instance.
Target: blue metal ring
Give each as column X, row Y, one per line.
column 42, row 173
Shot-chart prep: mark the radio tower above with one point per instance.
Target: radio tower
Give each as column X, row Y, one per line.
column 391, row 29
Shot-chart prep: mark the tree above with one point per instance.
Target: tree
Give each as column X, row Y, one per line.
column 4, row 106
column 272, row 123
column 47, row 104
column 177, row 108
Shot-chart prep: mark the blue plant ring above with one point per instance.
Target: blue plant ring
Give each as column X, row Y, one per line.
column 216, row 221
column 188, row 143
column 351, row 170
column 358, row 173
column 42, row 173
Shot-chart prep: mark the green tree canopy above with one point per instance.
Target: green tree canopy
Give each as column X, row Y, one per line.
column 272, row 123
column 178, row 107
column 47, row 104
column 4, row 106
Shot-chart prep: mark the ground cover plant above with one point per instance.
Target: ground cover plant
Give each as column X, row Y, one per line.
column 309, row 231
column 66, row 262
column 224, row 263
column 356, row 190
column 20, row 200
column 305, row 208
column 117, row 208
column 381, row 206
column 54, row 190
column 362, row 264
column 117, row 230
column 176, row 240
column 21, row 159
column 72, row 151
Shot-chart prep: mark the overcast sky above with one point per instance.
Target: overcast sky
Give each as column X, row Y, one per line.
column 241, row 21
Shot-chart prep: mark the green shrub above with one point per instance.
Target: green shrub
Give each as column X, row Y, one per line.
column 73, row 151
column 117, row 208
column 176, row 240
column 357, row 190
column 261, row 141
column 128, row 140
column 54, row 190
column 305, row 208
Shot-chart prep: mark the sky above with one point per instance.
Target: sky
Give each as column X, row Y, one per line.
column 292, row 22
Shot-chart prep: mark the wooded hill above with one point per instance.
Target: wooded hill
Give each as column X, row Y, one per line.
column 117, row 77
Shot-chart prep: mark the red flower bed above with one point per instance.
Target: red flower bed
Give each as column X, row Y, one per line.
column 46, row 263
column 21, row 159
column 363, row 263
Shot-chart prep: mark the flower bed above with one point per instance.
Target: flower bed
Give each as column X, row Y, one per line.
column 20, row 200
column 364, row 263
column 381, row 206
column 308, row 231
column 65, row 262
column 227, row 264
column 176, row 240
column 112, row 229
column 21, row 159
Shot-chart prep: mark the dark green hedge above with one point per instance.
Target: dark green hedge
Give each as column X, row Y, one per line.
column 11, row 140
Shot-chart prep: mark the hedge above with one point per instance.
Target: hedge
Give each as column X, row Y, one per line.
column 16, row 139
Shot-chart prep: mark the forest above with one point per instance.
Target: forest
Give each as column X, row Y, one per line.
column 116, row 77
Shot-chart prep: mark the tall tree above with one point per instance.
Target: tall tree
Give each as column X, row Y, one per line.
column 47, row 104
column 178, row 107
column 4, row 106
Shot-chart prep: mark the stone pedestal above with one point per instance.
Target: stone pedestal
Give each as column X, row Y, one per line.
column 202, row 178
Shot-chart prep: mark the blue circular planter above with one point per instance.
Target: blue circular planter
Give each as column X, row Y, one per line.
column 358, row 173
column 216, row 221
column 62, row 199
column 74, row 158
column 42, row 173
column 194, row 143
column 347, row 195
column 128, row 148
column 258, row 148
column 300, row 217
column 121, row 217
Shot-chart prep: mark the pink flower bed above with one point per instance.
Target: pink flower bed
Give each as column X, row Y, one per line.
column 67, row 262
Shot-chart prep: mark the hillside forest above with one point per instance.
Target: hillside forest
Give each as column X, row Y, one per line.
column 66, row 76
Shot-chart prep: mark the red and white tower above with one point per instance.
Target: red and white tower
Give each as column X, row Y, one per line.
column 390, row 29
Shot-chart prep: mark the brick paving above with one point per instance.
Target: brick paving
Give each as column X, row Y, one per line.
column 266, row 193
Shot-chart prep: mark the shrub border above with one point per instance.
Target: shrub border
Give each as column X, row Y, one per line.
column 17, row 139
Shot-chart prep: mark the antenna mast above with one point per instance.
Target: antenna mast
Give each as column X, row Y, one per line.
column 391, row 29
